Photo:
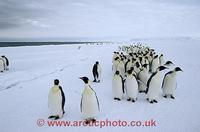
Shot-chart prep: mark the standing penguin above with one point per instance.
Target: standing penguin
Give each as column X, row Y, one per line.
column 2, row 65
column 89, row 102
column 155, row 64
column 117, row 86
column 96, row 72
column 169, row 83
column 153, row 85
column 6, row 62
column 161, row 60
column 143, row 77
column 56, row 101
column 131, row 87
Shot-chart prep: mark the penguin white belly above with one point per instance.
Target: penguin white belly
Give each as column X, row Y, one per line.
column 131, row 87
column 169, row 85
column 89, row 105
column 121, row 69
column 55, row 103
column 154, row 88
column 99, row 72
column 1, row 65
column 117, row 87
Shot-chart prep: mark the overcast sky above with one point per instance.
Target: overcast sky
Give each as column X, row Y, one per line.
column 99, row 18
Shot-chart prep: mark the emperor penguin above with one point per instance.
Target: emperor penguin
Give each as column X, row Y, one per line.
column 154, row 85
column 6, row 62
column 115, row 64
column 161, row 60
column 89, row 102
column 143, row 76
column 56, row 101
column 155, row 64
column 120, row 68
column 131, row 86
column 117, row 86
column 169, row 83
column 2, row 64
column 96, row 72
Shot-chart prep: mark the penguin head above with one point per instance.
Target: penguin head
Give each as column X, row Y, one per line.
column 130, row 72
column 97, row 62
column 56, row 82
column 177, row 69
column 117, row 72
column 161, row 68
column 85, row 79
column 168, row 63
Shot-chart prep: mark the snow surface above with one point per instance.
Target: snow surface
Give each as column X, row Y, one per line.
column 24, row 88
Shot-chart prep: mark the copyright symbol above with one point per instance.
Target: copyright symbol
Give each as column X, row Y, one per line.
column 40, row 122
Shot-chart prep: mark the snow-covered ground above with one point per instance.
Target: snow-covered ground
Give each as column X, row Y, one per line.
column 24, row 88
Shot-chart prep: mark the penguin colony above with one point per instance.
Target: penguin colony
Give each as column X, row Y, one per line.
column 4, row 63
column 136, row 69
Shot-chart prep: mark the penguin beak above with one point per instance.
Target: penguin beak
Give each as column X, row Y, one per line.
column 81, row 78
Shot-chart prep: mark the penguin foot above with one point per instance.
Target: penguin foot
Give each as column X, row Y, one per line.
column 129, row 99
column 133, row 100
column 56, row 117
column 151, row 102
column 1, row 71
column 140, row 91
column 87, row 121
column 117, row 99
column 165, row 96
column 95, row 81
column 147, row 99
column 93, row 120
column 172, row 97
column 155, row 101
column 51, row 117
column 98, row 81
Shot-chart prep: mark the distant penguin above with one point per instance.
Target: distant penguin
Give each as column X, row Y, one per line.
column 56, row 101
column 96, row 72
column 155, row 64
column 154, row 85
column 169, row 83
column 143, row 77
column 161, row 60
column 89, row 102
column 2, row 64
column 131, row 87
column 117, row 86
column 6, row 62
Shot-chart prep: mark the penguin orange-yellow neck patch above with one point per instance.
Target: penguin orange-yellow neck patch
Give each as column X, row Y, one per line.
column 55, row 89
column 88, row 91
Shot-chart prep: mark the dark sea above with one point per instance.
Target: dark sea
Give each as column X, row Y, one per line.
column 15, row 44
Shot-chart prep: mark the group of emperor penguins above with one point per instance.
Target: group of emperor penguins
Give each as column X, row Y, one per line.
column 137, row 69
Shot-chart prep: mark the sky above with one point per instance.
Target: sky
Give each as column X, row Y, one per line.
column 49, row 19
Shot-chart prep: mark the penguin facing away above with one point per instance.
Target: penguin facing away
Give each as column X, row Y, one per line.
column 155, row 64
column 96, row 70
column 56, row 101
column 143, row 77
column 153, row 85
column 169, row 83
column 89, row 102
column 117, row 86
column 2, row 65
column 131, row 87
